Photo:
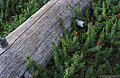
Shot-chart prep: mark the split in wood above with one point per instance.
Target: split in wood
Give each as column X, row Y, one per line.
column 3, row 43
column 28, row 75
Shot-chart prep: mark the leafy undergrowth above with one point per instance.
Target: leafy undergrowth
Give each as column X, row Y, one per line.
column 15, row 12
column 89, row 52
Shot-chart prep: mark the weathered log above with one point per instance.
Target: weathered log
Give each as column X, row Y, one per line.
column 33, row 38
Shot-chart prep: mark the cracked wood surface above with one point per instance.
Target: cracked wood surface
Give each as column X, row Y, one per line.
column 33, row 38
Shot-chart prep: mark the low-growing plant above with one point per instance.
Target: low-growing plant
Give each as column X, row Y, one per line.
column 92, row 51
column 15, row 12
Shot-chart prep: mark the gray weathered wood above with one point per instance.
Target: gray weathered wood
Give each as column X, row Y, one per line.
column 33, row 38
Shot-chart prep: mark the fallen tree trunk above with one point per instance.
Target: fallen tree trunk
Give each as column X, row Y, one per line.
column 33, row 38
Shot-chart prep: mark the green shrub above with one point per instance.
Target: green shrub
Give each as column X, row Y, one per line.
column 15, row 12
column 92, row 51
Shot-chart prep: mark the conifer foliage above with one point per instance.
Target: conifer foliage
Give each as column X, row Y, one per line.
column 92, row 51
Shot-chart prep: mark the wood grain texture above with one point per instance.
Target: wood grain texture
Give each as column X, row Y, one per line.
column 33, row 38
